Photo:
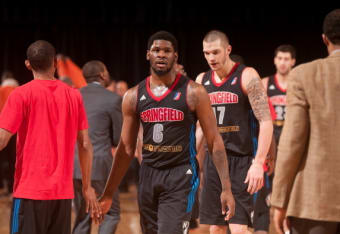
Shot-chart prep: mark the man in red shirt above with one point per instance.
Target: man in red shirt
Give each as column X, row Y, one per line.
column 48, row 117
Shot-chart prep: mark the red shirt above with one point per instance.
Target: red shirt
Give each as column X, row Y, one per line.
column 47, row 115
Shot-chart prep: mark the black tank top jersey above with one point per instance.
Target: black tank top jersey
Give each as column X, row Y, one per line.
column 235, row 119
column 277, row 96
column 168, row 125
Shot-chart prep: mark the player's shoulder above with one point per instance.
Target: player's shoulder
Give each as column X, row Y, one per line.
column 199, row 78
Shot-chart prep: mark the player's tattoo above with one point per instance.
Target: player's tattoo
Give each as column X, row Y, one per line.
column 258, row 99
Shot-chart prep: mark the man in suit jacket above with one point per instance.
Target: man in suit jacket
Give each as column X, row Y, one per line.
column 103, row 109
column 307, row 180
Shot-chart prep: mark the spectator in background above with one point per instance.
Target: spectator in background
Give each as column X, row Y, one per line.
column 121, row 87
column 103, row 109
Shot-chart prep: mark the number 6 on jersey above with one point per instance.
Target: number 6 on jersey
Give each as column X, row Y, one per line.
column 157, row 135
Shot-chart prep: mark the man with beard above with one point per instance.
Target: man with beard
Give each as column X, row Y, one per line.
column 168, row 105
column 276, row 85
column 284, row 60
column 239, row 102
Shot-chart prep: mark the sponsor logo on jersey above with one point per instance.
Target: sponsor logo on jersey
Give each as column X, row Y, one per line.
column 272, row 87
column 207, row 82
column 234, row 81
column 177, row 96
column 162, row 114
column 278, row 100
column 163, row 148
column 223, row 98
column 142, row 98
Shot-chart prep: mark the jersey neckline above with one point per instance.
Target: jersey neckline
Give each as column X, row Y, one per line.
column 278, row 84
column 227, row 77
column 160, row 98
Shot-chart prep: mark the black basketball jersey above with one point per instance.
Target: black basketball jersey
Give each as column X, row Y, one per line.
column 168, row 125
column 235, row 119
column 277, row 96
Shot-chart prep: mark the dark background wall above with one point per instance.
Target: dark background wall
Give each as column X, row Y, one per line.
column 118, row 34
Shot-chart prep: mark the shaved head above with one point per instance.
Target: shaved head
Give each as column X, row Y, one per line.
column 217, row 35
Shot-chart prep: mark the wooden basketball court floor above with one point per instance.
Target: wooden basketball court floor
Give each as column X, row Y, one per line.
column 129, row 223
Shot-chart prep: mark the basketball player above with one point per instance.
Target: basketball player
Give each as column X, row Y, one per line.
column 275, row 85
column 168, row 105
column 239, row 101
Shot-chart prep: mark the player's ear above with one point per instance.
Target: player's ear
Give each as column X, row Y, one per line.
column 28, row 65
column 325, row 39
column 148, row 55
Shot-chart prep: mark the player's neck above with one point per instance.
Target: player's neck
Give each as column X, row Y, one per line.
column 282, row 79
column 225, row 70
column 165, row 80
column 333, row 49
column 43, row 75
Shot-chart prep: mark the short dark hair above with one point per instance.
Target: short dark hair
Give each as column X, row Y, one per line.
column 286, row 48
column 92, row 70
column 163, row 35
column 41, row 55
column 214, row 35
column 331, row 26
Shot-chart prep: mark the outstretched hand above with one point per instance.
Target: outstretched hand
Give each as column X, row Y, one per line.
column 92, row 204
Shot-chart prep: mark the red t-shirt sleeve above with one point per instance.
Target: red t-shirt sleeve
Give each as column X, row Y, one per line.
column 13, row 112
column 82, row 118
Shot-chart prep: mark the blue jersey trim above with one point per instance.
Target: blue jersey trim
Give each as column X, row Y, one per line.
column 195, row 179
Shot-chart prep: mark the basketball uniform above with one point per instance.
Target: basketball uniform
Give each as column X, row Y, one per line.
column 239, row 130
column 169, row 170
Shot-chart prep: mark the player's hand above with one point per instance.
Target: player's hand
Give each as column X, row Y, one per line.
column 105, row 204
column 92, row 204
column 279, row 218
column 270, row 166
column 227, row 200
column 254, row 177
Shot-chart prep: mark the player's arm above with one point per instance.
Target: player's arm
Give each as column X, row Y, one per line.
column 265, row 82
column 4, row 138
column 85, row 151
column 253, row 87
column 139, row 144
column 198, row 101
column 126, row 147
column 199, row 133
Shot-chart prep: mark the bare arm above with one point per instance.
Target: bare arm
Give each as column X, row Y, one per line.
column 199, row 101
column 126, row 147
column 4, row 138
column 258, row 99
column 265, row 83
column 139, row 145
column 85, row 159
column 199, row 133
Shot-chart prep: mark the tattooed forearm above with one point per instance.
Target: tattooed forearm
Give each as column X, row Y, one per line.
column 220, row 160
column 258, row 99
